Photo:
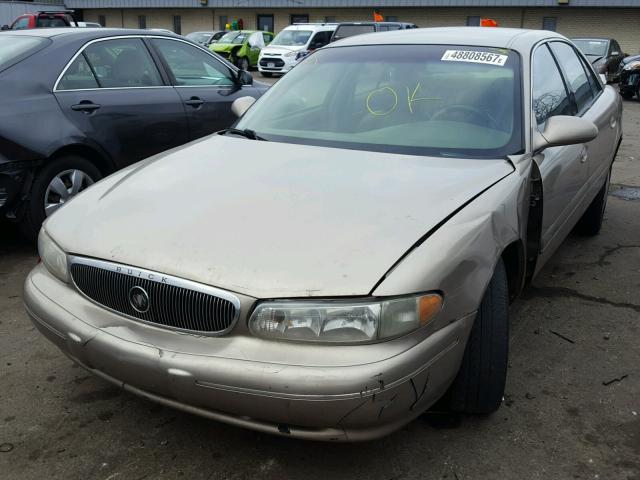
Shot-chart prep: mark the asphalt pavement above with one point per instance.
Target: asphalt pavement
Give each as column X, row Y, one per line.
column 571, row 409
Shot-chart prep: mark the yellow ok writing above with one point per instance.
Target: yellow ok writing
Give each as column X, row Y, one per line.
column 379, row 91
column 411, row 97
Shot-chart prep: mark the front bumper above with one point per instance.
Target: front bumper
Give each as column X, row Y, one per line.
column 278, row 64
column 350, row 398
column 13, row 178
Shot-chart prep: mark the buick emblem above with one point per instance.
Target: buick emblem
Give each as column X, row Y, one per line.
column 139, row 299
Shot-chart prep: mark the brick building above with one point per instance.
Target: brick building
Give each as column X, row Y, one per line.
column 615, row 18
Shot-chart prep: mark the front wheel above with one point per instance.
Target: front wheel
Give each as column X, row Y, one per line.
column 55, row 184
column 479, row 385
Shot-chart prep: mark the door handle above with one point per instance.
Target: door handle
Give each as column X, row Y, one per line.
column 613, row 122
column 85, row 106
column 195, row 102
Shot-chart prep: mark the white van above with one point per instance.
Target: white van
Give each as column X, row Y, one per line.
column 292, row 44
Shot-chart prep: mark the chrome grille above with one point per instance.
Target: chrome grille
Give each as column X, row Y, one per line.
column 172, row 302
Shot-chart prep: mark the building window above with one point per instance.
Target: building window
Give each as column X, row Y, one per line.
column 330, row 19
column 142, row 21
column 549, row 23
column 222, row 25
column 177, row 24
column 299, row 18
column 391, row 18
column 473, row 21
column 102, row 20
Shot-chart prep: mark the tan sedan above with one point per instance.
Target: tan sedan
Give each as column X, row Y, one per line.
column 344, row 257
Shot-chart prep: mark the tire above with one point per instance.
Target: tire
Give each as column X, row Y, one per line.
column 243, row 63
column 591, row 221
column 479, row 385
column 63, row 168
column 266, row 74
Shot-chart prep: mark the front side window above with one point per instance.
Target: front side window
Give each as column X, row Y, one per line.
column 190, row 66
column 575, row 73
column 291, row 38
column 550, row 96
column 21, row 24
column 410, row 99
column 121, row 63
column 320, row 39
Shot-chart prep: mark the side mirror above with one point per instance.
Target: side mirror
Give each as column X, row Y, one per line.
column 241, row 105
column 564, row 130
column 244, row 78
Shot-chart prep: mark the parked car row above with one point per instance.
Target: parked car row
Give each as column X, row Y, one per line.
column 101, row 99
column 339, row 260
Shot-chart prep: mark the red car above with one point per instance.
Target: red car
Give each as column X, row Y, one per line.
column 43, row 19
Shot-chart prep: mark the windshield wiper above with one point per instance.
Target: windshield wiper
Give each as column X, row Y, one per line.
column 245, row 132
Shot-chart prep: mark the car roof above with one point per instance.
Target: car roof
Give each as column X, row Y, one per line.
column 91, row 33
column 311, row 26
column 470, row 36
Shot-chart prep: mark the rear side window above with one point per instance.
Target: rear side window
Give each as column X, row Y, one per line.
column 78, row 76
column 549, row 93
column 45, row 22
column 122, row 63
column 575, row 74
column 14, row 48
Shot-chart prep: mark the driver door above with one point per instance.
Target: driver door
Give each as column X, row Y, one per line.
column 563, row 169
column 205, row 85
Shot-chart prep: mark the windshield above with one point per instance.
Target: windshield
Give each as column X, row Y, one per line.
column 592, row 47
column 344, row 31
column 199, row 37
column 234, row 37
column 292, row 38
column 13, row 48
column 411, row 99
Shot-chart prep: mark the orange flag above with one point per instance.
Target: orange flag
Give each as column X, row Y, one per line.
column 377, row 17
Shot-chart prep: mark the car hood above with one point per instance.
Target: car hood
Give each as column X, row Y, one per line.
column 269, row 219
column 282, row 49
column 224, row 47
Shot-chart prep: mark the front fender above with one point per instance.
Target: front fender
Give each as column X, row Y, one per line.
column 459, row 258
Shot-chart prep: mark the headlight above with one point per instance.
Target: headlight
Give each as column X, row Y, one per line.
column 291, row 54
column 343, row 321
column 632, row 66
column 53, row 257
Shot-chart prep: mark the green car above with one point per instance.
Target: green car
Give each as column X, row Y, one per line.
column 242, row 47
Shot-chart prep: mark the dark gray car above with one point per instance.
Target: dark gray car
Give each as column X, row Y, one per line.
column 604, row 54
column 79, row 104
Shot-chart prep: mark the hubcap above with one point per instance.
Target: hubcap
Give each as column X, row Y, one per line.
column 63, row 187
